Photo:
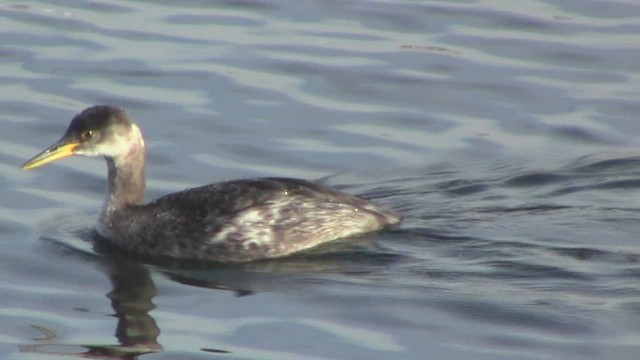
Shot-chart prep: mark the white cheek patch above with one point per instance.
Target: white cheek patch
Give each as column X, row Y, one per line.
column 116, row 144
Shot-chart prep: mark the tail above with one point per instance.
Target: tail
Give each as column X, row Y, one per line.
column 387, row 217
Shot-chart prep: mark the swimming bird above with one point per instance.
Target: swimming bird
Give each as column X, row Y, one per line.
column 232, row 221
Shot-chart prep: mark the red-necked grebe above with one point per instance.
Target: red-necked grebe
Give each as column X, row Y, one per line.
column 238, row 220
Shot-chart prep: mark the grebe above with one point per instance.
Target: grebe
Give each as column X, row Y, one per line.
column 239, row 220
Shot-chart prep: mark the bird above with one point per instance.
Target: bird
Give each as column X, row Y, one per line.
column 231, row 221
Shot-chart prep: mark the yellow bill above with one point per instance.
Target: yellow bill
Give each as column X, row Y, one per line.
column 57, row 151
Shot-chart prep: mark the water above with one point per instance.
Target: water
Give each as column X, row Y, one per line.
column 505, row 132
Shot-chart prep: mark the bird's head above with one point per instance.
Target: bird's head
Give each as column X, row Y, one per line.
column 97, row 131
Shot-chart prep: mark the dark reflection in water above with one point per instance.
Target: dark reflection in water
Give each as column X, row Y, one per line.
column 131, row 299
column 133, row 288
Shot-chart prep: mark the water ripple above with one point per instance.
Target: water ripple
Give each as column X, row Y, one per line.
column 505, row 132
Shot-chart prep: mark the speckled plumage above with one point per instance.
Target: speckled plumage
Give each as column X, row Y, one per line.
column 244, row 220
column 239, row 220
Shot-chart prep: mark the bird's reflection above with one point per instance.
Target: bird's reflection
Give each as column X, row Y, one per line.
column 133, row 290
column 131, row 299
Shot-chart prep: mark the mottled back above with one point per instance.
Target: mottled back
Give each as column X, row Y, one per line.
column 248, row 219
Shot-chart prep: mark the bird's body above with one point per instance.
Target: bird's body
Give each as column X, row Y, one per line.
column 239, row 220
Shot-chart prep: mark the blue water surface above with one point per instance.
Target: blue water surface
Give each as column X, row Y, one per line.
column 505, row 132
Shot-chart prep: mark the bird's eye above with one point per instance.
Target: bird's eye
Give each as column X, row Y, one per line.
column 87, row 135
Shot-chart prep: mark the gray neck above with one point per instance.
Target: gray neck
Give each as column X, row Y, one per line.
column 126, row 181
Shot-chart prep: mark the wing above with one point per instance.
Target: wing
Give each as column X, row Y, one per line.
column 224, row 219
column 228, row 198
